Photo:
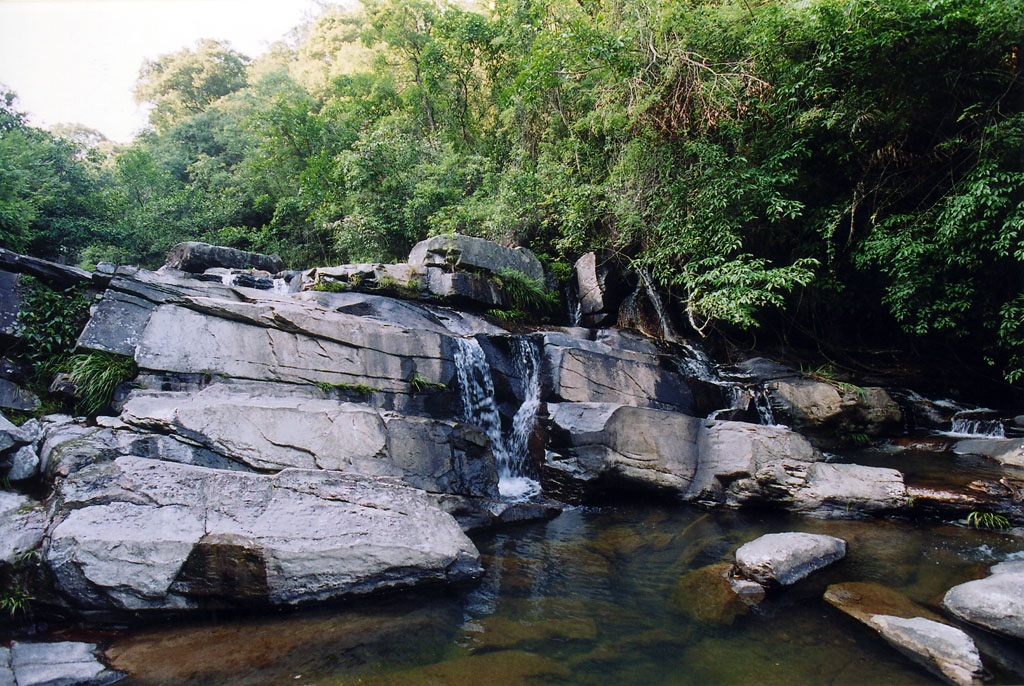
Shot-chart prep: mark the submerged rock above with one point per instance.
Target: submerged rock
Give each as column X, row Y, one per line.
column 506, row 666
column 64, row 663
column 787, row 558
column 940, row 648
column 912, row 629
column 138, row 534
column 711, row 594
column 995, row 602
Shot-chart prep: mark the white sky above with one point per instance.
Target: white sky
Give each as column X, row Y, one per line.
column 76, row 61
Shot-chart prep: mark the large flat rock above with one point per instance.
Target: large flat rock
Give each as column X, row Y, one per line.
column 142, row 534
column 275, row 432
column 61, row 663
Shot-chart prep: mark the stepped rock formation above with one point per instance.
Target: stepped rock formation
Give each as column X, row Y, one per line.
column 323, row 437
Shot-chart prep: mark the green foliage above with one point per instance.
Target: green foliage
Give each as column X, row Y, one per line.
column 329, row 286
column 420, row 384
column 987, row 520
column 512, row 316
column 49, row 322
column 15, row 599
column 95, row 375
column 524, row 294
column 346, row 388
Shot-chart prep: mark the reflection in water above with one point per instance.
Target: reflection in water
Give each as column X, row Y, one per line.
column 591, row 597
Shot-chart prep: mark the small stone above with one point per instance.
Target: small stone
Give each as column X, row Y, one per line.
column 789, row 557
column 24, row 464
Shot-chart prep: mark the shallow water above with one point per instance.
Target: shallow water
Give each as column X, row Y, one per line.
column 591, row 598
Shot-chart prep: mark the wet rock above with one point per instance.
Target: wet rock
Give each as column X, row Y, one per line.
column 1008, row 451
column 995, row 602
column 22, row 525
column 942, row 649
column 862, row 600
column 270, row 433
column 912, row 629
column 787, row 558
column 64, row 663
column 196, row 258
column 838, row 490
column 712, row 596
column 140, row 534
column 466, row 252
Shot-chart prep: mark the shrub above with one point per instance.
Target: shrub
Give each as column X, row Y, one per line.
column 95, row 375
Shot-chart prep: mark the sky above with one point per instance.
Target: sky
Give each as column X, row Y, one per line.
column 76, row 61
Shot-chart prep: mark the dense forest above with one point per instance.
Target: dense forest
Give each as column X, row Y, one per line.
column 848, row 174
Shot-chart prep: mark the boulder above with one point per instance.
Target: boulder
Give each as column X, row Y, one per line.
column 577, row 370
column 396, row 278
column 912, row 629
column 1009, row 451
column 22, row 524
column 599, row 289
column 273, row 433
column 52, row 273
column 457, row 251
column 787, row 558
column 610, row 446
column 195, row 258
column 995, row 602
column 942, row 649
column 713, row 596
column 464, row 288
column 14, row 397
column 824, row 408
column 23, row 464
column 834, row 490
column 64, row 663
column 141, row 534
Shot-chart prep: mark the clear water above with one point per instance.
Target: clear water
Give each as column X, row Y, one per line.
column 590, row 598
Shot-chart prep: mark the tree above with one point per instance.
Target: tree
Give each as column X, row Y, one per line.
column 184, row 83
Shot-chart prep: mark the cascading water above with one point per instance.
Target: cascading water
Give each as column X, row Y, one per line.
column 967, row 425
column 476, row 386
column 698, row 365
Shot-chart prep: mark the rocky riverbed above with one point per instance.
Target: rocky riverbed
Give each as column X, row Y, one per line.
column 293, row 439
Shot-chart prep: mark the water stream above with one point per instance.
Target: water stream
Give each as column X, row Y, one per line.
column 476, row 388
column 595, row 596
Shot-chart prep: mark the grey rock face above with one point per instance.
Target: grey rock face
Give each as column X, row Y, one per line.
column 272, row 433
column 115, row 323
column 464, row 288
column 24, row 464
column 196, row 258
column 818, row 406
column 475, row 253
column 14, row 397
column 10, row 303
column 577, row 370
column 60, row 275
column 64, row 663
column 1004, row 450
column 995, row 602
column 616, row 445
column 142, row 534
column 942, row 649
column 22, row 524
column 787, row 558
column 599, row 290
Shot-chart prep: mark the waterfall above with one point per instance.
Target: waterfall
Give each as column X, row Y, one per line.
column 697, row 364
column 966, row 425
column 476, row 387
